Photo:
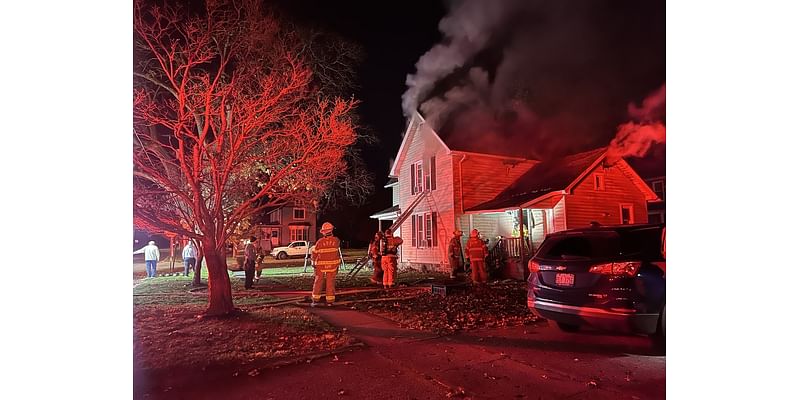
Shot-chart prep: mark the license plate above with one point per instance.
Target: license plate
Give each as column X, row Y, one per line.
column 565, row 279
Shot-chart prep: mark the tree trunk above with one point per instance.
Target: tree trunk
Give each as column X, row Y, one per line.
column 198, row 266
column 220, row 299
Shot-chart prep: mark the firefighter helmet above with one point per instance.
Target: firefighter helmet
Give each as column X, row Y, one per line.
column 474, row 233
column 326, row 228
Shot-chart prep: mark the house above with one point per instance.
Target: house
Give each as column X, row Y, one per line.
column 284, row 224
column 443, row 186
column 652, row 169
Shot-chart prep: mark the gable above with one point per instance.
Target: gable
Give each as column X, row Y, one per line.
column 419, row 135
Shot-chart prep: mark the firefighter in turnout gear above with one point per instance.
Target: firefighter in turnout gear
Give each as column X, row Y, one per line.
column 477, row 252
column 454, row 255
column 325, row 257
column 375, row 256
column 388, row 251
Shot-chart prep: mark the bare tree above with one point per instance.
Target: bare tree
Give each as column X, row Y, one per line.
column 227, row 122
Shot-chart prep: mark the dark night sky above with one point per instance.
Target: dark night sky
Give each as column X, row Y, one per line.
column 622, row 62
column 394, row 35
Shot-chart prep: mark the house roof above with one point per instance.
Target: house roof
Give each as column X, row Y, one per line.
column 392, row 181
column 388, row 211
column 542, row 179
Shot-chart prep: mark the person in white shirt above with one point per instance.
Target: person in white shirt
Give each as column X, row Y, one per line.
column 151, row 257
column 189, row 257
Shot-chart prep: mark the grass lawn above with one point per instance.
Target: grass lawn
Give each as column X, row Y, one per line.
column 172, row 346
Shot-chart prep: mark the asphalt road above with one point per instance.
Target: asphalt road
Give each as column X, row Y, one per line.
column 530, row 362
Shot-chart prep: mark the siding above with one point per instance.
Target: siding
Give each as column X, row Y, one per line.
column 585, row 204
column 484, row 177
column 422, row 146
column 396, row 195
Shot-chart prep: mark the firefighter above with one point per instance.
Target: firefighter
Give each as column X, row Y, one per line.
column 388, row 251
column 325, row 257
column 250, row 254
column 454, row 255
column 375, row 255
column 477, row 252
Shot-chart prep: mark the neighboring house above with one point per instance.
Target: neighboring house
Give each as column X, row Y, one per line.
column 657, row 210
column 443, row 187
column 652, row 169
column 288, row 223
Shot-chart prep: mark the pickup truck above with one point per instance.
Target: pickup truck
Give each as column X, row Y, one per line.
column 294, row 249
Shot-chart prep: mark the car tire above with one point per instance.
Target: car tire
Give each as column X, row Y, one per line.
column 282, row 255
column 568, row 327
column 660, row 336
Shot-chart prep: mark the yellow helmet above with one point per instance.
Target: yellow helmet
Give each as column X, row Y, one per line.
column 326, row 228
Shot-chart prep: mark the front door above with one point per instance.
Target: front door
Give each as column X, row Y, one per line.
column 276, row 237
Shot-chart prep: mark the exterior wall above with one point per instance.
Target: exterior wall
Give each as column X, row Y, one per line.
column 484, row 177
column 537, row 227
column 287, row 217
column 396, row 195
column 586, row 204
column 422, row 146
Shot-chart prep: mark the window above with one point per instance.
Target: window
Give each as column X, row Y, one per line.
column 298, row 233
column 417, row 177
column 423, row 228
column 599, row 182
column 626, row 213
column 433, row 173
column 299, row 213
column 654, row 218
column 275, row 217
column 658, row 188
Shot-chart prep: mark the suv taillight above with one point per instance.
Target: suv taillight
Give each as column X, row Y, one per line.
column 617, row 268
column 533, row 266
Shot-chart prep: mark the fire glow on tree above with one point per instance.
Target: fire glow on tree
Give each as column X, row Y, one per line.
column 227, row 122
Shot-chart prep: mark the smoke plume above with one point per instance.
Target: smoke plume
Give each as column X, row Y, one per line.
column 635, row 138
column 542, row 77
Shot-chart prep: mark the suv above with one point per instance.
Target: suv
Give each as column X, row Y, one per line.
column 294, row 249
column 609, row 277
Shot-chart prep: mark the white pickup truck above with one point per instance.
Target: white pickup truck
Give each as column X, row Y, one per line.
column 294, row 249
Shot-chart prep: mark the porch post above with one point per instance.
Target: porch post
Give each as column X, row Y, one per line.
column 521, row 240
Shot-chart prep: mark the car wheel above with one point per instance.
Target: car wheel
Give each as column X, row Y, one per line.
column 282, row 255
column 660, row 337
column 568, row 327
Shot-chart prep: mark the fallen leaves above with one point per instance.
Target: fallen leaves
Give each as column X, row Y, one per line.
column 500, row 305
column 171, row 336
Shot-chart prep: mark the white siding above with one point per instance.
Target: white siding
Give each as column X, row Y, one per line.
column 421, row 147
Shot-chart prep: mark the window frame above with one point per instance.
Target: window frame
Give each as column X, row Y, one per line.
column 418, row 178
column 294, row 213
column 599, row 181
column 303, row 236
column 628, row 206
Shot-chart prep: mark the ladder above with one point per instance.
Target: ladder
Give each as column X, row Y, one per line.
column 362, row 262
column 409, row 210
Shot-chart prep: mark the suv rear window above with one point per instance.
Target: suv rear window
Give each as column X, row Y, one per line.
column 603, row 244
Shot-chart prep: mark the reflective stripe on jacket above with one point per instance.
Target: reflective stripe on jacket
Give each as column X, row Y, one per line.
column 326, row 254
column 476, row 249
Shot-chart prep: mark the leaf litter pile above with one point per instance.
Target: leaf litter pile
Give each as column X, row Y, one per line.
column 498, row 305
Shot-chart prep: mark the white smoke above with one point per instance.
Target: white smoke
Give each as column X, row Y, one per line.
column 635, row 138
column 467, row 30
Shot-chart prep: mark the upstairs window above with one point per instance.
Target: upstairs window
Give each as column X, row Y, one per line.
column 417, row 177
column 658, row 188
column 599, row 182
column 299, row 213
